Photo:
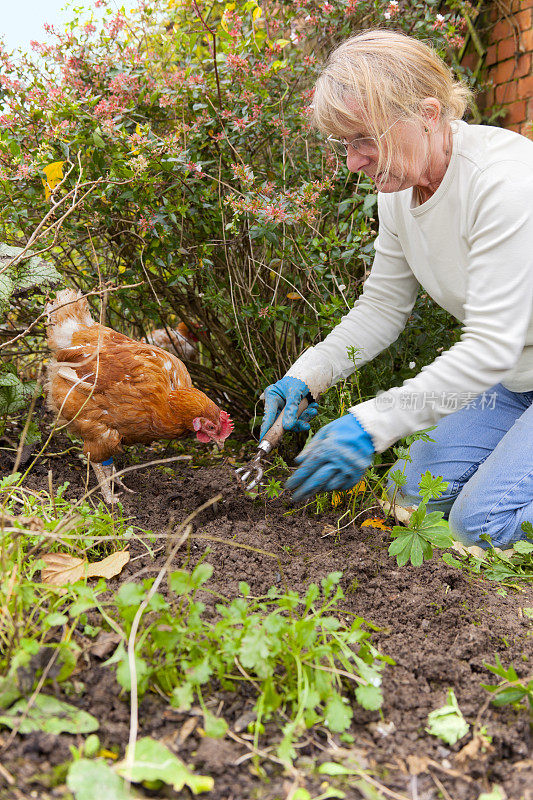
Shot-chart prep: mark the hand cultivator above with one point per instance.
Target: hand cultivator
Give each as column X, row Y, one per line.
column 251, row 474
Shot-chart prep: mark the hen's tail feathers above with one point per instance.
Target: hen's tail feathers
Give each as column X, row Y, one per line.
column 66, row 314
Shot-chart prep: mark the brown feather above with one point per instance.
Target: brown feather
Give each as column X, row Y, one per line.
column 111, row 389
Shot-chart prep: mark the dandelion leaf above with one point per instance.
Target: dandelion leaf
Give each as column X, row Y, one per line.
column 48, row 714
column 153, row 761
column 89, row 779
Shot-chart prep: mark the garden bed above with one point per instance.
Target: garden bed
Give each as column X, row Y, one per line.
column 438, row 624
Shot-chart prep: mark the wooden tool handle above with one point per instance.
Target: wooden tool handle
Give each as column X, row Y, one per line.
column 275, row 434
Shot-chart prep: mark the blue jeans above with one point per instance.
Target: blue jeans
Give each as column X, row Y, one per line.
column 486, row 456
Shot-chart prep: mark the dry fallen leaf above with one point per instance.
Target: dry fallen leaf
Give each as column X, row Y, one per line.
column 417, row 764
column 375, row 522
column 105, row 642
column 187, row 728
column 62, row 568
column 475, row 748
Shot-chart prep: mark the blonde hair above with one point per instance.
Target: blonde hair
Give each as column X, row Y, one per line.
column 378, row 77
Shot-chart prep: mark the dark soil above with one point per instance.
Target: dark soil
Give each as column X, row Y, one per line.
column 437, row 623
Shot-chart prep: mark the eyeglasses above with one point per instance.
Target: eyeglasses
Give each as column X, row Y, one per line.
column 365, row 146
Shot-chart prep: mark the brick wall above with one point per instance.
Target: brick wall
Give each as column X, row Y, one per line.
column 509, row 64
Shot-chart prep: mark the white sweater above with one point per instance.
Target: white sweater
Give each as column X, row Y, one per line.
column 470, row 246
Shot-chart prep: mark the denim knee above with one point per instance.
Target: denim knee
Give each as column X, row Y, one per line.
column 466, row 523
column 469, row 519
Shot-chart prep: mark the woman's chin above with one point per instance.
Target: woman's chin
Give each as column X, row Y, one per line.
column 385, row 184
column 388, row 183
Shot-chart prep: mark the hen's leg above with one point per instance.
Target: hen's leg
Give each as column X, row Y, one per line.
column 109, row 468
column 104, row 476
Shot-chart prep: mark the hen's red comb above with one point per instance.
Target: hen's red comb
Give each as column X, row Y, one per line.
column 226, row 425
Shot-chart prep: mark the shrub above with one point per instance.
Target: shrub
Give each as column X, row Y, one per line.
column 171, row 147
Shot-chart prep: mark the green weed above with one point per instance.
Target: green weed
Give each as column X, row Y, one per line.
column 298, row 657
column 511, row 568
column 511, row 690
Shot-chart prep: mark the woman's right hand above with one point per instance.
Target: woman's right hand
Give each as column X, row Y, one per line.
column 286, row 395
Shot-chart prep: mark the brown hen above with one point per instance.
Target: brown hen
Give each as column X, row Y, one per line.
column 180, row 340
column 113, row 391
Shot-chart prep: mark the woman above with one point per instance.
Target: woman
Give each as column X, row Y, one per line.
column 455, row 204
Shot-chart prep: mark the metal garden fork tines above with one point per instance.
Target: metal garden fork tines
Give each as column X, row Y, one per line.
column 252, row 473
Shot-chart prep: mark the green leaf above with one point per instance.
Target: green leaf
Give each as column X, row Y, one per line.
column 6, row 287
column 180, row 581
column 97, row 139
column 9, row 379
column 448, row 722
column 49, row 715
column 35, row 272
column 200, row 672
column 370, row 697
column 9, row 691
column 89, row 779
column 330, row 581
column 498, row 669
column 54, row 619
column 333, row 769
column 401, row 548
column 142, row 671
column 510, row 695
column 182, row 697
column 130, row 594
column 201, row 574
column 496, row 793
column 285, row 751
column 153, row 761
column 338, row 714
column 91, row 745
column 30, row 271
column 451, row 561
column 254, row 648
column 215, row 727
column 417, row 555
column 431, row 487
column 523, row 547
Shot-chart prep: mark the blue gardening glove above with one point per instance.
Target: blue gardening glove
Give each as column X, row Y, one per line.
column 289, row 393
column 336, row 458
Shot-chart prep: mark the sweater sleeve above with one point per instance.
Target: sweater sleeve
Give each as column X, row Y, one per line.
column 376, row 320
column 497, row 312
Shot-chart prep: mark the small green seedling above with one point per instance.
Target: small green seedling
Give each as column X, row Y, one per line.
column 294, row 649
column 415, row 542
column 511, row 690
column 448, row 722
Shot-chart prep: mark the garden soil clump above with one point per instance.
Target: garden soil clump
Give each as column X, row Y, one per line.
column 437, row 623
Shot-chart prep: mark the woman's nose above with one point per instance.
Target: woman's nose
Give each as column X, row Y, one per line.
column 355, row 161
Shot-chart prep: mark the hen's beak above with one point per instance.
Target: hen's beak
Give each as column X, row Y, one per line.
column 219, row 445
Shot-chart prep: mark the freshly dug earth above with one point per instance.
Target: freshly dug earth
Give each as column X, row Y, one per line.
column 438, row 624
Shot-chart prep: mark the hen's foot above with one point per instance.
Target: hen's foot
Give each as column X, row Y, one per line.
column 118, row 481
column 105, row 477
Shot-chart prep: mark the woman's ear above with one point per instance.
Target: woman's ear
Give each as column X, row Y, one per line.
column 430, row 109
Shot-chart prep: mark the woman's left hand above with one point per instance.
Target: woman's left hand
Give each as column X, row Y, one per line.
column 336, row 458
